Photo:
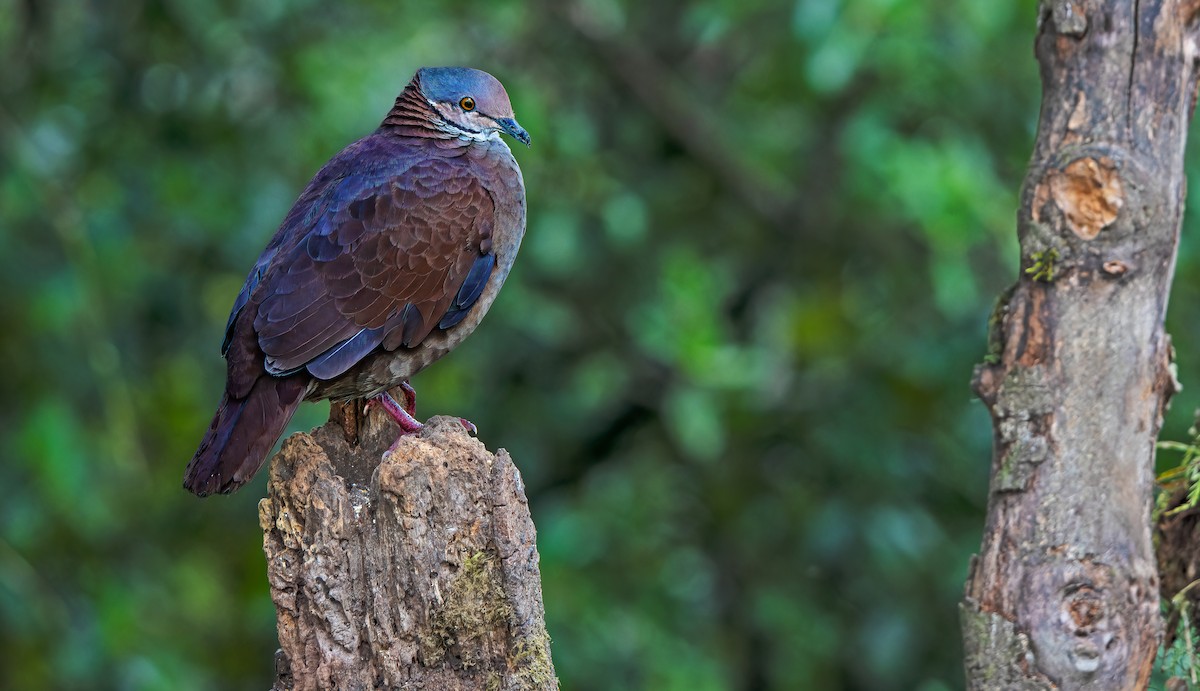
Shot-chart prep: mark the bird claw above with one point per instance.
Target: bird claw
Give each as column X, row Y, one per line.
column 470, row 426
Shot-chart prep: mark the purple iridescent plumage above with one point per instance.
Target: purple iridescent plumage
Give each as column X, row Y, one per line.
column 388, row 259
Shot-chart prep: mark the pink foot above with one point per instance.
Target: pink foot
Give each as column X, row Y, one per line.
column 403, row 413
column 408, row 423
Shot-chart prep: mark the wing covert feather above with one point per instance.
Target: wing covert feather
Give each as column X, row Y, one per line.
column 383, row 264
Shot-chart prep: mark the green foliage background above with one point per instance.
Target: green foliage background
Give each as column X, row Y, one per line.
column 732, row 362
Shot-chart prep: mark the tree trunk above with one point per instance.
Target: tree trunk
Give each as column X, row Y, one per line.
column 1064, row 591
column 417, row 572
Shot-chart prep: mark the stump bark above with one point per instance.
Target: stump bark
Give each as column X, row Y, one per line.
column 417, row 572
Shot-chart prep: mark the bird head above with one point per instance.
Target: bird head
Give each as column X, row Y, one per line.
column 472, row 103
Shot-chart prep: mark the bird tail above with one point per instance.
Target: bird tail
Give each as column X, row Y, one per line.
column 241, row 434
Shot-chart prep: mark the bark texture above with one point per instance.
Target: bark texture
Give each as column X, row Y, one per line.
column 417, row 572
column 1064, row 592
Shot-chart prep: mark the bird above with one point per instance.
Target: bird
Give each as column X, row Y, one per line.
column 389, row 258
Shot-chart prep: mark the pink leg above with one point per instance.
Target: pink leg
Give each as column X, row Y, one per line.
column 410, row 398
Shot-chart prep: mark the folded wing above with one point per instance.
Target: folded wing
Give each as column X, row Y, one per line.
column 383, row 264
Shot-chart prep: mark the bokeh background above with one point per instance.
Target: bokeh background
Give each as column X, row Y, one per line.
column 732, row 361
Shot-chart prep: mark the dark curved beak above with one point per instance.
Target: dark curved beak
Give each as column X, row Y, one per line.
column 510, row 126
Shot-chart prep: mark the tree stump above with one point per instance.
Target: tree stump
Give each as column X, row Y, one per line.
column 419, row 571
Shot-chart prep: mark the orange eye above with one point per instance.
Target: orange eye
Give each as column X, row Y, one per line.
column 467, row 103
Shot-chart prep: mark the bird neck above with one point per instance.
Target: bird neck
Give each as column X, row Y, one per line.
column 413, row 116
